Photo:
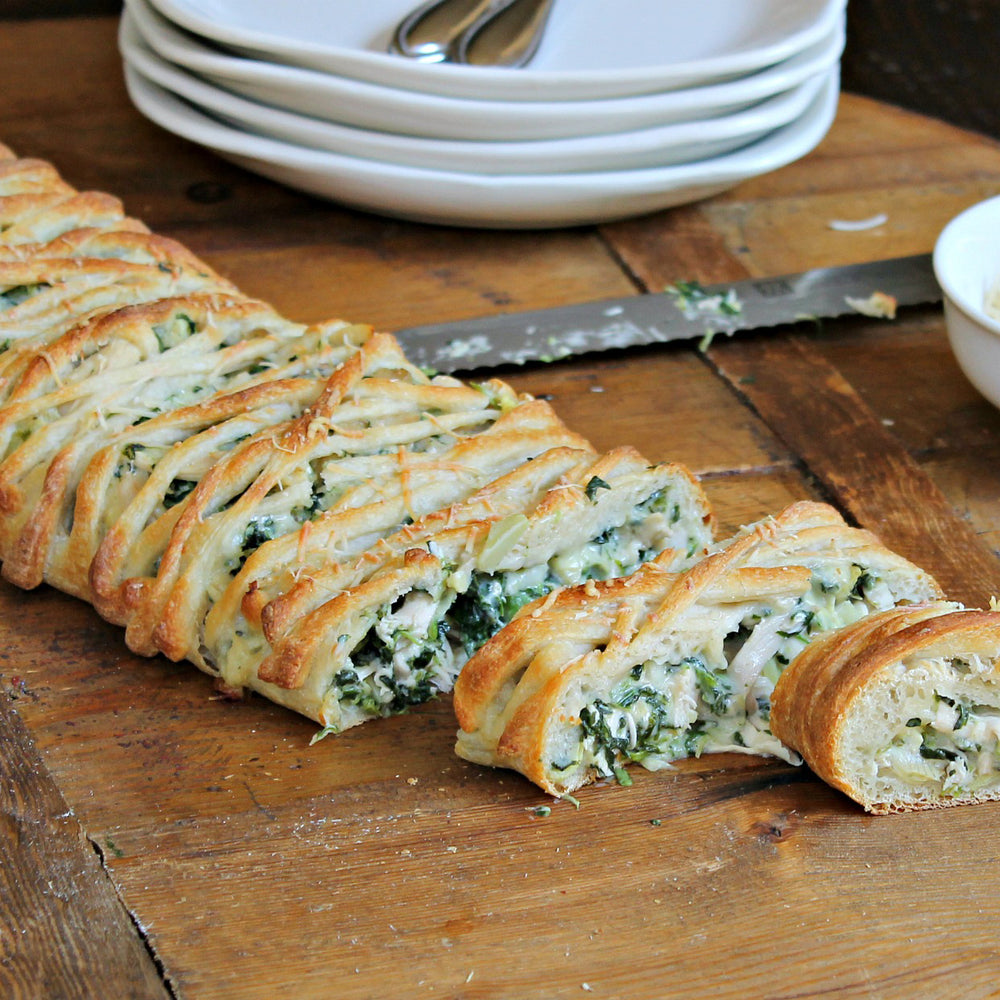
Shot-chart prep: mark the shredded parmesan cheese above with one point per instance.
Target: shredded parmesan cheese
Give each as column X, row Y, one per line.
column 303, row 543
column 859, row 225
column 878, row 305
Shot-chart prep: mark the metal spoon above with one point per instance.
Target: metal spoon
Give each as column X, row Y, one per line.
column 506, row 36
column 479, row 32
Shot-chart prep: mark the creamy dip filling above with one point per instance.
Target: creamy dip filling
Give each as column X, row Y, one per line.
column 951, row 745
column 404, row 660
column 490, row 600
column 16, row 294
column 416, row 650
column 716, row 699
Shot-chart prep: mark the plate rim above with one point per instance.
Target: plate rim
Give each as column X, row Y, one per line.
column 390, row 109
column 524, row 85
column 740, row 127
column 607, row 194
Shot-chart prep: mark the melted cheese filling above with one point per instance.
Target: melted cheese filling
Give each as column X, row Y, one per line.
column 417, row 650
column 943, row 744
column 717, row 697
column 404, row 660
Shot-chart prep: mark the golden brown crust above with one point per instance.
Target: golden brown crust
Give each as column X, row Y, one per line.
column 500, row 460
column 810, row 697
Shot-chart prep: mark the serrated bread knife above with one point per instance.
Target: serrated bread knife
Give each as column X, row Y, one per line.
column 685, row 310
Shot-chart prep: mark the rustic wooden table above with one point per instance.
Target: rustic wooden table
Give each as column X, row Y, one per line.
column 157, row 842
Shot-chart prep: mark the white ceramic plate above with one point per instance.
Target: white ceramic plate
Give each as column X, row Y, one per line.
column 592, row 49
column 510, row 201
column 660, row 146
column 371, row 106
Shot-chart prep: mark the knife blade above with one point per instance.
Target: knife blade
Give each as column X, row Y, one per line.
column 684, row 311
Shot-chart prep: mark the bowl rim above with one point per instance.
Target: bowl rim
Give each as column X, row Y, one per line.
column 962, row 226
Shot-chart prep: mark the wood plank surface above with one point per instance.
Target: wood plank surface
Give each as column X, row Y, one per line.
column 62, row 925
column 250, row 863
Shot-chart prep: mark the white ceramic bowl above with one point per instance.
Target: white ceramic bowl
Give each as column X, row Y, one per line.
column 967, row 265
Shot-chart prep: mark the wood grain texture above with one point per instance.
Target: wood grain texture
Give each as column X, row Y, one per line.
column 378, row 863
column 63, row 930
column 861, row 464
column 810, row 404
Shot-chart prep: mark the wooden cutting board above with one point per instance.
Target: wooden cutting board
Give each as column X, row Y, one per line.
column 156, row 841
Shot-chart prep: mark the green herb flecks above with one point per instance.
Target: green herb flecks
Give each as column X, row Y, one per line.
column 17, row 294
column 595, row 484
column 720, row 310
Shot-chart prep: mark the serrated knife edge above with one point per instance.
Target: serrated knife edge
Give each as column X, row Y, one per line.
column 642, row 319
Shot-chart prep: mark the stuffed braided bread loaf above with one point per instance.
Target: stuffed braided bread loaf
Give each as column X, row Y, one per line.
column 661, row 665
column 297, row 510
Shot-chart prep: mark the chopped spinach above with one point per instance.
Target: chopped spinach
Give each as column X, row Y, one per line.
column 177, row 491
column 371, row 682
column 258, row 531
column 178, row 328
column 129, row 453
column 308, row 513
column 595, row 484
column 487, row 605
column 864, row 582
column 960, row 708
column 19, row 293
column 716, row 689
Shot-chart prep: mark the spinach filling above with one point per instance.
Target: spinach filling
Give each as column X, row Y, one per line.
column 659, row 712
column 953, row 744
column 403, row 660
column 417, row 645
column 642, row 719
column 316, row 505
column 177, row 491
column 664, row 712
column 19, row 293
column 258, row 531
column 174, row 331
column 493, row 599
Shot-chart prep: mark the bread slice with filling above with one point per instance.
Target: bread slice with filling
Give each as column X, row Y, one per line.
column 900, row 711
column 659, row 665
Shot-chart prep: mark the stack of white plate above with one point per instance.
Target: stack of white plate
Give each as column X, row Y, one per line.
column 629, row 105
